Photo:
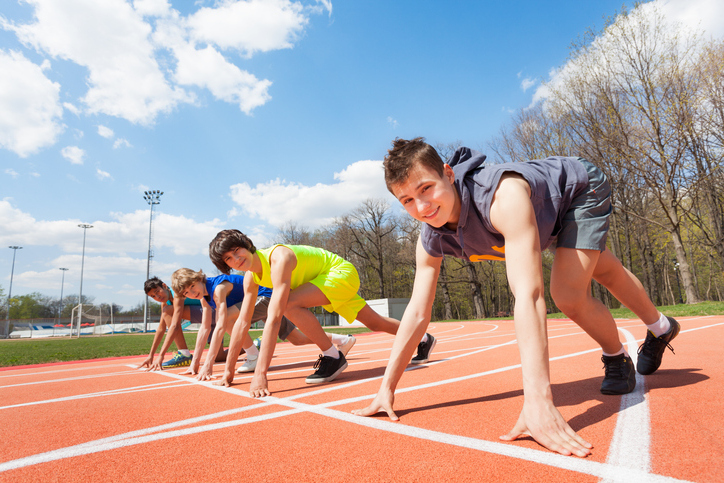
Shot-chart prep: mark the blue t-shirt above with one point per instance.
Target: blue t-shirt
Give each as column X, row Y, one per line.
column 237, row 292
column 187, row 301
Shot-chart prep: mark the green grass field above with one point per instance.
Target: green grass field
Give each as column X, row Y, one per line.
column 20, row 352
column 39, row 351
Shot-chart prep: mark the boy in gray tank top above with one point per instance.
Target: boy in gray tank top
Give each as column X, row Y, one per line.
column 513, row 212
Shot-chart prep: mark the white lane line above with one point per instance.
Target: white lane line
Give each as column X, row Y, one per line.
column 535, row 456
column 625, row 474
column 631, row 438
column 113, row 392
column 78, row 378
column 44, row 373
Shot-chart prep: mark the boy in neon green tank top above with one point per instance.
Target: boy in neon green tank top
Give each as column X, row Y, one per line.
column 301, row 277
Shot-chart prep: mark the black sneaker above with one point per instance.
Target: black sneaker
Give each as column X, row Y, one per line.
column 620, row 375
column 651, row 351
column 424, row 349
column 327, row 368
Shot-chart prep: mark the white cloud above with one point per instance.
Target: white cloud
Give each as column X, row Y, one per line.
column 105, row 132
column 111, row 40
column 279, row 201
column 74, row 154
column 30, row 110
column 208, row 68
column 125, row 233
column 103, row 174
column 72, row 108
column 152, row 8
column 250, row 26
column 527, row 83
column 392, row 122
column 120, row 142
column 11, row 172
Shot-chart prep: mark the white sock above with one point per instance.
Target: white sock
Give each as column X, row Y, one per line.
column 622, row 351
column 251, row 352
column 332, row 352
column 185, row 352
column 660, row 327
column 338, row 339
column 424, row 338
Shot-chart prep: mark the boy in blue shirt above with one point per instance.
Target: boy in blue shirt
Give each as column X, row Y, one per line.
column 173, row 310
column 225, row 294
column 512, row 212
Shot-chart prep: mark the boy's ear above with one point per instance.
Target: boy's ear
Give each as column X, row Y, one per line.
column 448, row 172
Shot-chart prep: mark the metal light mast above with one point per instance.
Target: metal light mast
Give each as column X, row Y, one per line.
column 152, row 198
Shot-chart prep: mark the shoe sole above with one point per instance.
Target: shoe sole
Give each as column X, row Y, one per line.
column 423, row 361
column 329, row 378
column 244, row 370
column 345, row 352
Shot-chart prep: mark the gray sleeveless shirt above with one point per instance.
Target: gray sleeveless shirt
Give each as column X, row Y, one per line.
column 554, row 182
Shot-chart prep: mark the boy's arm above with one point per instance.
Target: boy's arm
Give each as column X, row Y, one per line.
column 177, row 309
column 282, row 262
column 412, row 327
column 201, row 337
column 241, row 328
column 148, row 362
column 217, row 339
column 512, row 214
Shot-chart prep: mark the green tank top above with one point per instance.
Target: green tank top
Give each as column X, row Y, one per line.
column 311, row 262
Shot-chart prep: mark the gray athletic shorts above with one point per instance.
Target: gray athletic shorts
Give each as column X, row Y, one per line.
column 195, row 316
column 262, row 304
column 585, row 224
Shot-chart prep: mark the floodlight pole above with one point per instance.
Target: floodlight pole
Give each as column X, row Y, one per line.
column 152, row 198
column 14, row 248
column 85, row 227
column 62, row 282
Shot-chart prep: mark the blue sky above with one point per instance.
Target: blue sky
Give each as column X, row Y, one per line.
column 245, row 114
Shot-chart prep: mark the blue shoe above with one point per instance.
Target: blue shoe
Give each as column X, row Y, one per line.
column 257, row 342
column 178, row 360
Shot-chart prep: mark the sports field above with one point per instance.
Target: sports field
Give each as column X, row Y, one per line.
column 105, row 421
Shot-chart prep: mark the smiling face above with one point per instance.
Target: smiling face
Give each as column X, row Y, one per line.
column 160, row 294
column 238, row 259
column 196, row 290
column 429, row 198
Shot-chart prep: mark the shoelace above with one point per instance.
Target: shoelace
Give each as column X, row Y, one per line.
column 615, row 368
column 653, row 346
column 319, row 361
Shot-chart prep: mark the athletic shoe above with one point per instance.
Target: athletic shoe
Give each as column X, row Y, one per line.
column 248, row 366
column 424, row 349
column 178, row 360
column 652, row 350
column 620, row 375
column 327, row 368
column 257, row 342
column 345, row 348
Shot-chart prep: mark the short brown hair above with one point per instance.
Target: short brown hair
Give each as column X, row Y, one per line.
column 183, row 278
column 151, row 284
column 224, row 242
column 405, row 155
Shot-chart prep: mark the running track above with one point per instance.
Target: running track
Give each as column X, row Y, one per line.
column 104, row 421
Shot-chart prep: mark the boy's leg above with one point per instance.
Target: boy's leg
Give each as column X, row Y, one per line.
column 331, row 362
column 300, row 299
column 343, row 342
column 571, row 290
column 376, row 322
column 624, row 285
